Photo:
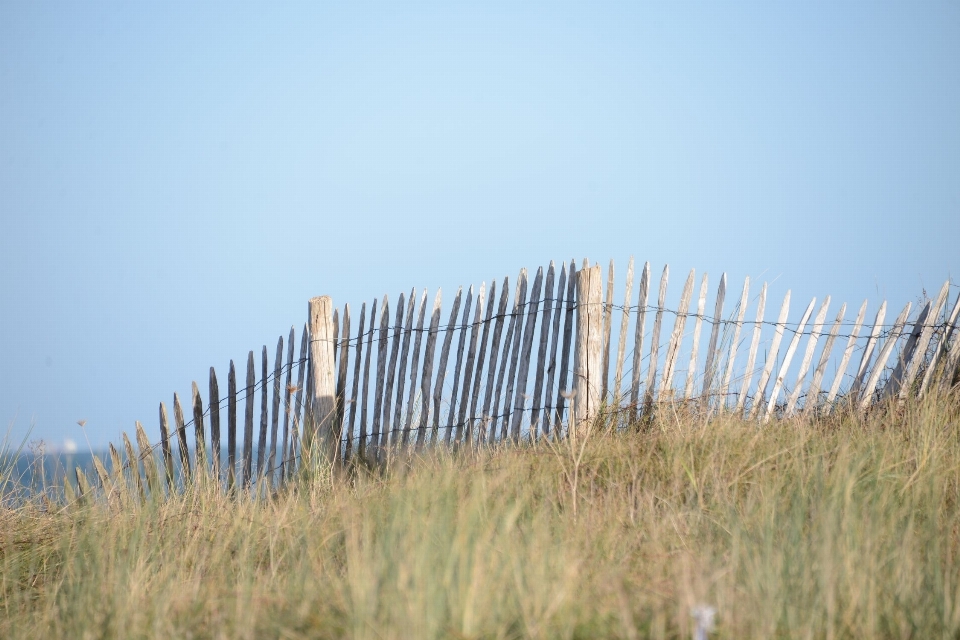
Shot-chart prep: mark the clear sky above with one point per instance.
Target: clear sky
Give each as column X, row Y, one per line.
column 177, row 181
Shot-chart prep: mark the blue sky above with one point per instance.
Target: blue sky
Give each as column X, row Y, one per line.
column 177, row 182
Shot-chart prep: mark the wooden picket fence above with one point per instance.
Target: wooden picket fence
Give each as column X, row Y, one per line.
column 531, row 365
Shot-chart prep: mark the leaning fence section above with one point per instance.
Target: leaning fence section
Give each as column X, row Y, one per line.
column 528, row 359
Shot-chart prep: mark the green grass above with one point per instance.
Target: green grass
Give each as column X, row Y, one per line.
column 832, row 528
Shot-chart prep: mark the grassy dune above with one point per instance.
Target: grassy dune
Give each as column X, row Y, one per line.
column 844, row 527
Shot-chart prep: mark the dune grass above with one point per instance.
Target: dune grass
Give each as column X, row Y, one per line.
column 842, row 527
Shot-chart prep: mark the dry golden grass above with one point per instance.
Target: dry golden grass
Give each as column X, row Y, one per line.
column 846, row 527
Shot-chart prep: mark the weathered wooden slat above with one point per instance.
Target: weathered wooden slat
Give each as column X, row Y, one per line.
column 622, row 341
column 536, row 405
column 414, row 369
column 562, row 389
column 382, row 349
column 752, row 356
column 134, row 466
column 299, row 406
column 397, row 329
column 951, row 364
column 847, row 353
column 275, row 414
column 149, row 463
column 461, row 341
column 807, row 357
column 734, row 345
column 781, row 376
column 494, row 416
column 676, row 338
column 813, row 393
column 398, row 430
column 442, row 369
column 771, row 357
column 354, row 394
column 638, row 338
column 201, row 452
column 362, row 447
column 181, row 438
column 462, row 426
column 655, row 343
column 905, row 355
column 475, row 427
column 921, row 348
column 695, row 348
column 214, row 424
column 607, row 326
column 248, row 423
column 264, row 417
column 519, row 400
column 941, row 347
column 713, row 350
column 231, row 426
column 343, row 360
column 428, row 370
column 486, row 419
column 866, row 397
column 511, row 372
column 548, row 392
column 863, row 369
column 288, row 408
column 587, row 375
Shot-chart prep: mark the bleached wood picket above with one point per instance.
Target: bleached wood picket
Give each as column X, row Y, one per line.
column 695, row 348
column 771, row 357
column 734, row 344
column 655, row 342
column 752, row 356
column 807, row 356
column 673, row 348
column 847, row 353
column 866, row 396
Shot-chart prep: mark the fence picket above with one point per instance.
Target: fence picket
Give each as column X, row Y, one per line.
column 524, row 368
column 548, row 298
column 165, row 447
column 387, row 426
column 468, row 368
column 355, row 389
column 921, row 349
column 847, row 353
column 201, row 447
column 655, row 342
column 752, row 356
column 486, row 419
column 231, row 425
column 807, row 356
column 414, row 370
column 382, row 349
column 336, row 437
column 398, row 430
column 565, row 350
column 893, row 384
column 461, row 342
column 275, row 413
column 607, row 326
column 676, row 338
column 638, row 338
column 867, row 395
column 713, row 352
column 181, row 438
column 941, row 346
column 287, row 408
column 442, row 369
column 771, row 358
column 262, row 440
column 813, row 392
column 734, row 344
column 472, row 426
column 622, row 340
column 516, row 323
column 299, row 407
column 868, row 351
column 794, row 343
column 548, row 404
column 428, row 370
column 214, row 424
column 950, row 367
column 695, row 348
column 362, row 445
column 248, row 423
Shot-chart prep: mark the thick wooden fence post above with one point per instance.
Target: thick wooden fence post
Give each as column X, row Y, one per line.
column 587, row 374
column 323, row 384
